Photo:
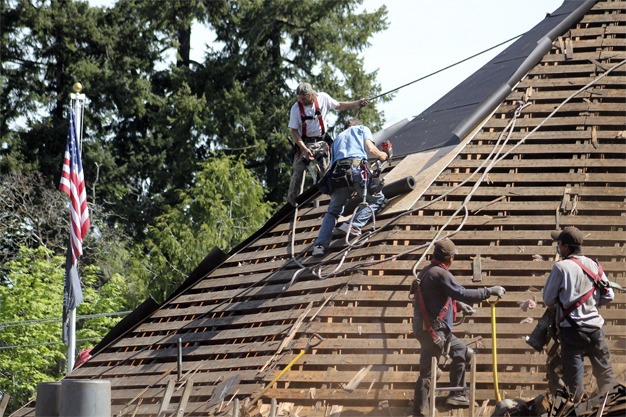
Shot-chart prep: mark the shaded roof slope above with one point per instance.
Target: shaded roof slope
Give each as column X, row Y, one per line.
column 499, row 192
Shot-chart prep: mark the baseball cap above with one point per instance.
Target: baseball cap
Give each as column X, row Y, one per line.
column 304, row 89
column 570, row 236
column 444, row 249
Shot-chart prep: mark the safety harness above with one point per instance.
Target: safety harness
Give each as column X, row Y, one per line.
column 304, row 117
column 597, row 283
column 426, row 321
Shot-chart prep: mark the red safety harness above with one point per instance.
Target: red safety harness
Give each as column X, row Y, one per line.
column 597, row 283
column 426, row 322
column 318, row 116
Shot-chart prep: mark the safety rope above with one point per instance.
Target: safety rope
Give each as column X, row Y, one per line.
column 445, row 68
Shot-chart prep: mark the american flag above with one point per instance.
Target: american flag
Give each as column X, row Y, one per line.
column 73, row 184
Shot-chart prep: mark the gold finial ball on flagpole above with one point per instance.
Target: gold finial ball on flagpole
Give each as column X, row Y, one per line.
column 77, row 87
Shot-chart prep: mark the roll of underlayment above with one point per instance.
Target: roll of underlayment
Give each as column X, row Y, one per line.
column 396, row 188
column 391, row 190
column 85, row 398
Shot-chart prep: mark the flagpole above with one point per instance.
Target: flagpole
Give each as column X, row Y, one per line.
column 77, row 100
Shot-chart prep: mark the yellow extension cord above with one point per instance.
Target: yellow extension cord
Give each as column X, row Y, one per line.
column 494, row 349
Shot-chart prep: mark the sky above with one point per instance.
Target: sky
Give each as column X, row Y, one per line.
column 426, row 36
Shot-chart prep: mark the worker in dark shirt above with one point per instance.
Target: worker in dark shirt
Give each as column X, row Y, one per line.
column 435, row 293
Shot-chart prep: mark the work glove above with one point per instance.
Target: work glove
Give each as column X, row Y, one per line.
column 497, row 290
column 466, row 309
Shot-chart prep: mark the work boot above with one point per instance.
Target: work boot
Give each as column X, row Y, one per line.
column 318, row 250
column 354, row 231
column 460, row 400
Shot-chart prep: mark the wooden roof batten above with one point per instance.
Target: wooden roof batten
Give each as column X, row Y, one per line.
column 499, row 192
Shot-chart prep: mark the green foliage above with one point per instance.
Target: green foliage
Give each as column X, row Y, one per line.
column 33, row 352
column 224, row 206
column 35, row 291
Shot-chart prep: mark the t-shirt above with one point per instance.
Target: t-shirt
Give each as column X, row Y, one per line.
column 313, row 127
column 351, row 143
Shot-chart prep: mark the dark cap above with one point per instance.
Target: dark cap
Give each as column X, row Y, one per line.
column 304, row 89
column 444, row 250
column 570, row 236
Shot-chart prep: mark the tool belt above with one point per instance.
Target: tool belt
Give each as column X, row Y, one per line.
column 311, row 140
column 319, row 149
column 325, row 137
column 342, row 173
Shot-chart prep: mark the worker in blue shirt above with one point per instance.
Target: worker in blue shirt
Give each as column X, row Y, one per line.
column 349, row 158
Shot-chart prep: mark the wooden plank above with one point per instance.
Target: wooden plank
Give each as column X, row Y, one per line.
column 599, row 31
column 564, row 137
column 217, row 321
column 603, row 18
column 560, row 120
column 4, row 402
column 525, row 191
column 347, row 346
column 540, row 237
column 544, row 98
column 572, row 163
column 479, row 324
column 205, row 336
column 570, row 83
column 260, row 291
column 165, row 402
column 418, row 221
column 551, row 149
column 540, row 178
column 374, row 396
column 407, row 377
column 528, row 206
column 404, row 358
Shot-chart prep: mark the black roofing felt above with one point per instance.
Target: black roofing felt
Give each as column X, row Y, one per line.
column 454, row 115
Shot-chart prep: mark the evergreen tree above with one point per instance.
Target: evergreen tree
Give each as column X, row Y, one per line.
column 224, row 206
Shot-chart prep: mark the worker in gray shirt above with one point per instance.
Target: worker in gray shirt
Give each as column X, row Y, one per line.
column 577, row 286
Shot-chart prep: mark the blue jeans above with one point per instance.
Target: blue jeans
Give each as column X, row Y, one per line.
column 338, row 199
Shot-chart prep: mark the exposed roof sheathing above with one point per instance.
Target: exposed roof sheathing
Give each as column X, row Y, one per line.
column 498, row 194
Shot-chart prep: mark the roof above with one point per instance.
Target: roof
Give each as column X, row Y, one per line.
column 245, row 317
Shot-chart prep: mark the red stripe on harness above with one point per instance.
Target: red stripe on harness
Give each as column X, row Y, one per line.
column 596, row 278
column 426, row 322
column 304, row 117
